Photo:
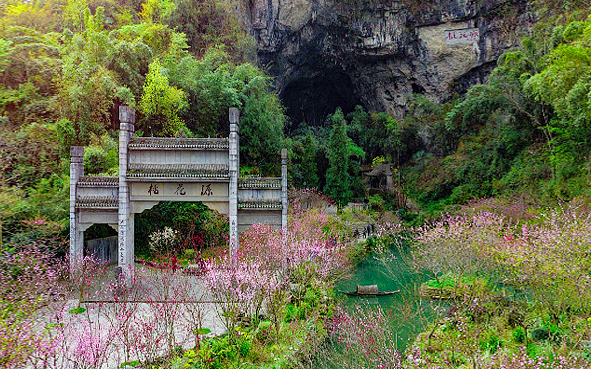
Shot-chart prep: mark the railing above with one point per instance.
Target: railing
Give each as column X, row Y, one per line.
column 97, row 202
column 179, row 143
column 178, row 170
column 87, row 181
column 270, row 204
column 259, row 183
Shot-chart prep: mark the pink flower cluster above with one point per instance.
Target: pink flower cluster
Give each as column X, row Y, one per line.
column 523, row 361
column 260, row 276
column 308, row 198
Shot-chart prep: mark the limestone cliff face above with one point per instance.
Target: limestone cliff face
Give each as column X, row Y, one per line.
column 328, row 53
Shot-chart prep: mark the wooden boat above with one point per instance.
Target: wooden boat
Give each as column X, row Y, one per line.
column 371, row 290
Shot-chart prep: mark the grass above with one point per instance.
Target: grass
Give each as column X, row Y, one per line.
column 450, row 281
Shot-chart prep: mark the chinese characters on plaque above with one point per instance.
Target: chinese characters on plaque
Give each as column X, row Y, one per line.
column 178, row 191
column 206, row 190
column 153, row 190
column 122, row 224
column 461, row 36
column 233, row 235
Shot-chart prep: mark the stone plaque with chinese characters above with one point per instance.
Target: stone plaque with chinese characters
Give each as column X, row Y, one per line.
column 178, row 191
column 461, row 36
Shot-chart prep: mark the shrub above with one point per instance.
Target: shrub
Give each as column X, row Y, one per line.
column 377, row 204
column 28, row 284
column 102, row 156
column 163, row 242
column 518, row 335
column 491, row 344
column 307, row 198
column 361, row 339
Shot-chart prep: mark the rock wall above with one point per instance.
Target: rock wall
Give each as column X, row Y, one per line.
column 328, row 53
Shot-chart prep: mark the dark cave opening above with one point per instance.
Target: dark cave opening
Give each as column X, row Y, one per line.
column 313, row 96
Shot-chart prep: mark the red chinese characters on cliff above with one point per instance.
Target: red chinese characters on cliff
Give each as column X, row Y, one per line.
column 461, row 36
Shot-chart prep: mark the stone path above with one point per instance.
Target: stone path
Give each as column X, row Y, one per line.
column 162, row 311
column 361, row 232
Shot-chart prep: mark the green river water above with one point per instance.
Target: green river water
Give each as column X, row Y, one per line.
column 410, row 313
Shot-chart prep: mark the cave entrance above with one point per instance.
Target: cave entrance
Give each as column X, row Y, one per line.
column 312, row 96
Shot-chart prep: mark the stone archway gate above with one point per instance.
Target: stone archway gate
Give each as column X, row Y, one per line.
column 171, row 169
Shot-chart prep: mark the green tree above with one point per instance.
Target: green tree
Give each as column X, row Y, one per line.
column 262, row 121
column 303, row 160
column 208, row 23
column 356, row 157
column 211, row 89
column 66, row 65
column 309, row 167
column 154, row 11
column 12, row 208
column 338, row 180
column 5, row 52
column 213, row 84
column 378, row 134
column 563, row 83
column 161, row 103
column 105, row 68
column 88, row 87
column 41, row 15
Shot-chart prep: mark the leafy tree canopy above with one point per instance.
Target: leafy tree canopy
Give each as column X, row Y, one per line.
column 66, row 66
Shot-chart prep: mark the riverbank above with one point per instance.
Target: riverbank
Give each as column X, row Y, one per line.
column 517, row 292
column 516, row 296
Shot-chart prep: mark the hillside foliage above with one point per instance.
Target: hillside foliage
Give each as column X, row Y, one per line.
column 524, row 132
column 67, row 65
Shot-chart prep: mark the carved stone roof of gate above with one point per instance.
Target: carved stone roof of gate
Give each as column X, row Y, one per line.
column 259, row 183
column 87, row 181
column 262, row 204
column 179, row 143
column 178, row 170
column 97, row 202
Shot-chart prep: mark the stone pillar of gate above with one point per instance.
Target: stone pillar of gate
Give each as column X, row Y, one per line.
column 125, row 217
column 234, row 168
column 76, row 234
column 284, row 190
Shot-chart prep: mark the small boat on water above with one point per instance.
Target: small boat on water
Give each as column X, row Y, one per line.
column 371, row 290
